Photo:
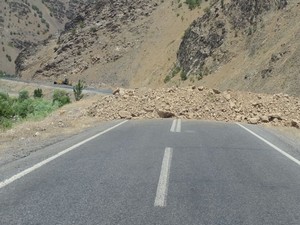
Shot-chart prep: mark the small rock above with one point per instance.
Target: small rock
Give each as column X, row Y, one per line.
column 117, row 91
column 264, row 119
column 216, row 91
column 201, row 88
column 275, row 116
column 125, row 114
column 37, row 134
column 120, row 91
column 165, row 114
column 131, row 93
column 256, row 104
column 227, row 96
column 232, row 104
column 239, row 118
column 254, row 120
column 295, row 123
column 61, row 124
column 148, row 109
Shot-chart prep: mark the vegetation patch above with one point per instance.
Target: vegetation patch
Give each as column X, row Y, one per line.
column 193, row 3
column 23, row 107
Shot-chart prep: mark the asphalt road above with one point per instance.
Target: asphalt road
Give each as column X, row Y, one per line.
column 157, row 172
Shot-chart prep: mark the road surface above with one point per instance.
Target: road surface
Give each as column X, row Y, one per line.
column 59, row 86
column 168, row 172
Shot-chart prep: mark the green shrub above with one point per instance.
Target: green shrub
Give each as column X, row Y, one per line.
column 183, row 75
column 6, row 110
column 5, row 123
column 167, row 79
column 175, row 71
column 38, row 93
column 193, row 3
column 8, row 57
column 23, row 95
column 23, row 108
column 93, row 29
column 61, row 98
column 77, row 89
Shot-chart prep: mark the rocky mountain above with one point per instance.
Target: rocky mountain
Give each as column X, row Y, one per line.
column 245, row 44
column 112, row 42
column 228, row 44
column 24, row 23
column 99, row 35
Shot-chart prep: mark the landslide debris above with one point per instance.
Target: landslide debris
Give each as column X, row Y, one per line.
column 198, row 103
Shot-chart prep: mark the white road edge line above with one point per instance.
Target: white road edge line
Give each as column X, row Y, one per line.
column 173, row 125
column 44, row 162
column 178, row 128
column 163, row 183
column 271, row 145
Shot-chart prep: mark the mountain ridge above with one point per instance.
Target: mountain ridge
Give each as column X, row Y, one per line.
column 233, row 44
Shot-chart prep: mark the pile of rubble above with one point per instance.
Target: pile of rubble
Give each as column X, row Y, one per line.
column 198, row 103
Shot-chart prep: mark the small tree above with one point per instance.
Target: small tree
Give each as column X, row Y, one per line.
column 77, row 89
column 38, row 93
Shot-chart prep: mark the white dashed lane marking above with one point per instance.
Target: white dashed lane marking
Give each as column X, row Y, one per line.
column 176, row 126
column 163, row 183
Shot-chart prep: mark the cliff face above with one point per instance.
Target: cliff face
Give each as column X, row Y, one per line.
column 245, row 45
column 207, row 38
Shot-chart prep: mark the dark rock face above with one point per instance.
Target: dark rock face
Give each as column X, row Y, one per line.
column 19, row 62
column 207, row 34
column 73, row 23
column 245, row 12
column 19, row 44
column 199, row 42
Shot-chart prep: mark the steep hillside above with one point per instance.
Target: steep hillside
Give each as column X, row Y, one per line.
column 245, row 45
column 128, row 43
column 24, row 23
column 232, row 44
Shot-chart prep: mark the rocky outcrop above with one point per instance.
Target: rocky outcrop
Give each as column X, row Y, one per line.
column 203, row 47
column 20, row 44
column 242, row 13
column 199, row 103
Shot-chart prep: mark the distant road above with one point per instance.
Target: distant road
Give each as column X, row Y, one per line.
column 156, row 172
column 40, row 83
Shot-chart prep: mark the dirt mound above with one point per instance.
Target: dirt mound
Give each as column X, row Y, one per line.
column 198, row 103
